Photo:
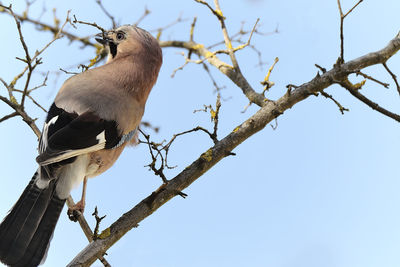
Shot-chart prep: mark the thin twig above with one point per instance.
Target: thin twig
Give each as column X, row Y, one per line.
column 321, row 68
column 86, row 229
column 341, row 108
column 222, row 149
column 348, row 12
column 98, row 221
column 355, row 92
column 28, row 59
column 214, row 82
column 171, row 24
column 93, row 24
column 36, row 103
column 14, row 114
column 192, row 29
column 114, row 24
column 342, row 17
column 366, row 76
column 234, row 74
column 145, row 14
column 53, row 29
column 266, row 82
column 394, row 77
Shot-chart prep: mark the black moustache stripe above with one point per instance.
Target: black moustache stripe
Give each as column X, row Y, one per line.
column 113, row 49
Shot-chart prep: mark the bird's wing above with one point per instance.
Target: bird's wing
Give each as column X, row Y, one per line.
column 66, row 135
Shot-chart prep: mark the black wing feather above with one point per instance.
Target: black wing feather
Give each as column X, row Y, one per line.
column 69, row 132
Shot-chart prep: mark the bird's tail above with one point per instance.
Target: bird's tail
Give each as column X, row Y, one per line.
column 26, row 231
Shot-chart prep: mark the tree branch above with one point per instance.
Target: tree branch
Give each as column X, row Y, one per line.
column 394, row 77
column 223, row 67
column 223, row 148
column 355, row 92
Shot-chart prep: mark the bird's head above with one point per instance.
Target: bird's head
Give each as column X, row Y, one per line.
column 132, row 44
column 130, row 40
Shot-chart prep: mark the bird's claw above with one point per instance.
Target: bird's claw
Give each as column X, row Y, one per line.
column 73, row 215
column 75, row 211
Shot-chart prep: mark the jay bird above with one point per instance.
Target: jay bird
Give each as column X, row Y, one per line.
column 95, row 115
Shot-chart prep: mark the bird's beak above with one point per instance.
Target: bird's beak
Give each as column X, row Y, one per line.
column 103, row 38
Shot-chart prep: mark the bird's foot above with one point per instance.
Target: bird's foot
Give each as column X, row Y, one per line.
column 75, row 211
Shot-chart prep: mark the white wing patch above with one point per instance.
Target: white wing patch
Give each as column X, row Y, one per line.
column 44, row 138
column 101, row 137
column 73, row 153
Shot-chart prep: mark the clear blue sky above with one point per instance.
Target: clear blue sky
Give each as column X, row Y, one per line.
column 320, row 190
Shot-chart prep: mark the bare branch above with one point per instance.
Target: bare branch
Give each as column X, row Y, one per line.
column 386, row 85
column 342, row 17
column 145, row 14
column 25, row 117
column 173, row 23
column 266, row 82
column 228, row 42
column 223, row 148
column 214, row 82
column 355, row 92
column 98, row 221
column 114, row 24
column 14, row 114
column 341, row 108
column 321, row 68
column 155, row 147
column 52, row 29
column 223, row 67
column 215, row 12
column 93, row 24
column 348, row 12
column 393, row 76
column 192, row 28
column 86, row 228
column 36, row 103
column 28, row 59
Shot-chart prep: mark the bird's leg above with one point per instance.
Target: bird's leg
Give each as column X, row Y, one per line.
column 80, row 205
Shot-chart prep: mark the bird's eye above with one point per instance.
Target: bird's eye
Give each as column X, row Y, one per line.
column 120, row 36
